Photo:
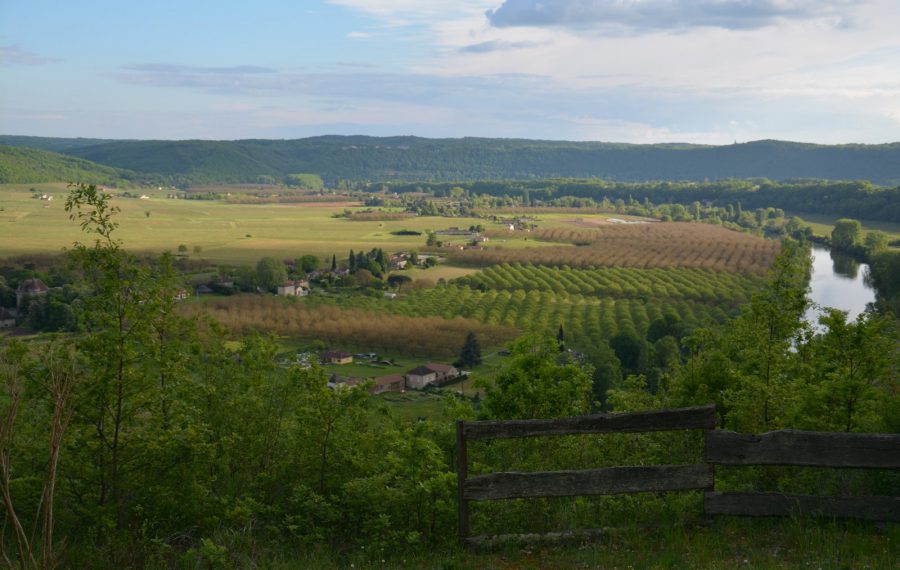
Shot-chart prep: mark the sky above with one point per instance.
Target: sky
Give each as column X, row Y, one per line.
column 637, row 71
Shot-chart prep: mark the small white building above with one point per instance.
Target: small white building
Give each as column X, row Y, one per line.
column 298, row 288
column 420, row 376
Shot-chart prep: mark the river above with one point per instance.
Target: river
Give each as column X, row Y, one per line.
column 838, row 281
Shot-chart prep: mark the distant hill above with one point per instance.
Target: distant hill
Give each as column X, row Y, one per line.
column 50, row 143
column 32, row 166
column 414, row 158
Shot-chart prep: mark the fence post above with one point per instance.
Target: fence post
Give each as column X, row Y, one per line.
column 462, row 471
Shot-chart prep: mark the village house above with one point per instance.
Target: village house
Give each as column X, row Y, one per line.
column 431, row 373
column 7, row 319
column 336, row 380
column 30, row 288
column 336, row 357
column 420, row 376
column 299, row 288
column 389, row 383
column 398, row 261
column 444, row 371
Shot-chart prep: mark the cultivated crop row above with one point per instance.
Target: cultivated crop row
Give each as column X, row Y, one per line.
column 584, row 318
column 673, row 283
column 701, row 246
column 351, row 327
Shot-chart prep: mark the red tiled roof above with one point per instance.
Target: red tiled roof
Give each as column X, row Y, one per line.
column 389, row 379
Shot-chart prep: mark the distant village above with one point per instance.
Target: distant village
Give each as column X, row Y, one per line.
column 431, row 374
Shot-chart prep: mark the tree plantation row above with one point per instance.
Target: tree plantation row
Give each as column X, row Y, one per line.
column 673, row 283
column 350, row 327
column 702, row 246
column 585, row 317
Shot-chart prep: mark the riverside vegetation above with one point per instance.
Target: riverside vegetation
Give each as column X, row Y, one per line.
column 149, row 439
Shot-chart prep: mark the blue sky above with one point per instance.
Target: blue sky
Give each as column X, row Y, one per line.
column 704, row 71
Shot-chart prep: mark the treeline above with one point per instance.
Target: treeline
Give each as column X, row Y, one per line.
column 857, row 199
column 361, row 159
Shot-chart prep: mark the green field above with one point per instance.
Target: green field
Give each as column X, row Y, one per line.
column 225, row 233
column 823, row 224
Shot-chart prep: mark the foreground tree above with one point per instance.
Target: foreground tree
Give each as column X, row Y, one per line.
column 538, row 382
column 42, row 382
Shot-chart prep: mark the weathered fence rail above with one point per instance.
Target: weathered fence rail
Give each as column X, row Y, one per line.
column 607, row 481
column 806, row 449
column 701, row 417
column 786, row 447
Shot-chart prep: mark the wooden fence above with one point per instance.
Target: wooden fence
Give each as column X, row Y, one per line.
column 607, row 481
column 788, row 447
column 808, row 449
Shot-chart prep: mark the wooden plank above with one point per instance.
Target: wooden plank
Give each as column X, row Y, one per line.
column 608, row 481
column 462, row 471
column 699, row 417
column 780, row 505
column 815, row 449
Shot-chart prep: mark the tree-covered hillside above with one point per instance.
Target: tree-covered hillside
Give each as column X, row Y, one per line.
column 53, row 144
column 414, row 158
column 31, row 166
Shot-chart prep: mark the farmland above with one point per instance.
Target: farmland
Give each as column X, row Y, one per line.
column 585, row 318
column 672, row 283
column 596, row 278
column 349, row 327
column 225, row 233
column 701, row 246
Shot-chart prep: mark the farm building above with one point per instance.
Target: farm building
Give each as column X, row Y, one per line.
column 431, row 373
column 444, row 371
column 420, row 376
column 298, row 288
column 335, row 357
column 389, row 383
column 30, row 288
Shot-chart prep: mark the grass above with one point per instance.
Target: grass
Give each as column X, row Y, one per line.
column 725, row 544
column 413, row 405
column 221, row 230
column 364, row 369
column 823, row 224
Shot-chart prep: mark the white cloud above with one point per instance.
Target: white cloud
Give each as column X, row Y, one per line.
column 418, row 12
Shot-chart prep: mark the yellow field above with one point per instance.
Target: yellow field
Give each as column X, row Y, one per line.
column 232, row 233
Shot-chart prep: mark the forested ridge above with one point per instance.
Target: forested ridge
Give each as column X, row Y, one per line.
column 362, row 158
column 31, row 166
